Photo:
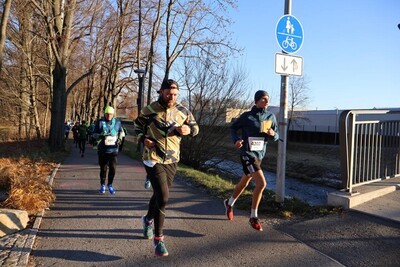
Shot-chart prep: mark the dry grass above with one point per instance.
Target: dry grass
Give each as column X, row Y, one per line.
column 309, row 162
column 24, row 170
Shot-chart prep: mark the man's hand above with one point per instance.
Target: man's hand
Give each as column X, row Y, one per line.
column 148, row 143
column 183, row 130
column 271, row 132
column 239, row 143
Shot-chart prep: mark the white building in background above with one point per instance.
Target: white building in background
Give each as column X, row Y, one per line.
column 322, row 120
column 303, row 120
column 312, row 120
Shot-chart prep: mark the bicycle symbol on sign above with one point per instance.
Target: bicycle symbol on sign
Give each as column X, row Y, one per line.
column 289, row 42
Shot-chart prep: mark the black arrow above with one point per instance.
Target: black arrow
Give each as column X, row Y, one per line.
column 284, row 67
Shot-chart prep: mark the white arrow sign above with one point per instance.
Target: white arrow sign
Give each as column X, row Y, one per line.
column 288, row 64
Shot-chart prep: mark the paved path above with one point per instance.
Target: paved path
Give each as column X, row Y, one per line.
column 84, row 228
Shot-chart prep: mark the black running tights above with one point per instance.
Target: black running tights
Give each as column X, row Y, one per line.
column 161, row 178
column 110, row 160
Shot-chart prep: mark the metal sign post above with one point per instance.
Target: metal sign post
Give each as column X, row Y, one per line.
column 283, row 123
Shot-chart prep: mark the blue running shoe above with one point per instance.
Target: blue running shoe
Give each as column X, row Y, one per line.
column 160, row 248
column 147, row 184
column 111, row 189
column 147, row 228
column 102, row 189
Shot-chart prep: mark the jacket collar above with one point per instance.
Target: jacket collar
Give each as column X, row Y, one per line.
column 258, row 110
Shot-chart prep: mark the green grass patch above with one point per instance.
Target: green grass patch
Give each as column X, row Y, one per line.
column 130, row 148
column 212, row 183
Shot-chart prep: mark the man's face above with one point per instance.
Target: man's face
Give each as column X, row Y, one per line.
column 262, row 102
column 170, row 95
column 108, row 116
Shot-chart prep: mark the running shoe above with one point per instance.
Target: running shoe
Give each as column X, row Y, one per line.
column 229, row 210
column 147, row 184
column 160, row 248
column 255, row 223
column 102, row 189
column 147, row 227
column 111, row 189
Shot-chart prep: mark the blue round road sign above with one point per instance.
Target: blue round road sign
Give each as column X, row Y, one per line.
column 289, row 34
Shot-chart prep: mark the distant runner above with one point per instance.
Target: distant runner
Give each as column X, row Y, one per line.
column 109, row 130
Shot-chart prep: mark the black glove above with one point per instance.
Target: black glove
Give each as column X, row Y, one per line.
column 141, row 139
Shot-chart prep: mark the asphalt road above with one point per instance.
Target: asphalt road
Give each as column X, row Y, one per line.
column 84, row 228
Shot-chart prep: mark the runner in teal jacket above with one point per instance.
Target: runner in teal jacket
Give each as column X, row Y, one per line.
column 257, row 127
column 250, row 123
column 109, row 131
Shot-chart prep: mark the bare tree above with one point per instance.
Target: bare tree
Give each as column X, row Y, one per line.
column 24, row 54
column 298, row 97
column 59, row 17
column 214, row 90
column 151, row 54
column 54, row 45
column 196, row 25
column 3, row 28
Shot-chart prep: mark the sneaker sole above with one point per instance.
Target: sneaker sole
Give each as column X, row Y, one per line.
column 161, row 255
column 260, row 230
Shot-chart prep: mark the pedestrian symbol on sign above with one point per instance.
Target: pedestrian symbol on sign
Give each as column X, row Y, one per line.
column 289, row 34
column 289, row 26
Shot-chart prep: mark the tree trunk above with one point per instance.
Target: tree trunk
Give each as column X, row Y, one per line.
column 24, row 115
column 3, row 28
column 56, row 138
column 150, row 60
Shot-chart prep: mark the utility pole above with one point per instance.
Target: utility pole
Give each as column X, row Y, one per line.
column 283, row 125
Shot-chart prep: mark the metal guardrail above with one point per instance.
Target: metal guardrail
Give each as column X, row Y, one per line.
column 369, row 146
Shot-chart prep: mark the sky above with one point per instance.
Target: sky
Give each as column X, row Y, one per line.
column 350, row 50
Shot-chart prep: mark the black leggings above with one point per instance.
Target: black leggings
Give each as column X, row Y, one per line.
column 161, row 178
column 110, row 160
column 82, row 145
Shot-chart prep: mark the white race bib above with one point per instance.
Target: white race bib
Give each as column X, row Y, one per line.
column 149, row 163
column 256, row 143
column 110, row 140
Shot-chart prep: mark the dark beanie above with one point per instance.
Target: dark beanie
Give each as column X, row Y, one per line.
column 259, row 94
column 166, row 84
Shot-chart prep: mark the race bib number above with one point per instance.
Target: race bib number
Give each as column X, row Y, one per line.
column 256, row 143
column 110, row 140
